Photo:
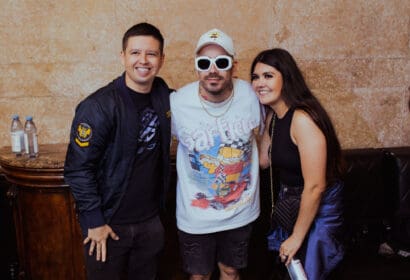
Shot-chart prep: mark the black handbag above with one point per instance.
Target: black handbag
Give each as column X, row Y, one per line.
column 285, row 213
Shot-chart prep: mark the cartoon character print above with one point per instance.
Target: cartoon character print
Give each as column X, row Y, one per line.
column 227, row 174
column 148, row 130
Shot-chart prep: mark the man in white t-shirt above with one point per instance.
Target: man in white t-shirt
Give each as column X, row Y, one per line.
column 215, row 121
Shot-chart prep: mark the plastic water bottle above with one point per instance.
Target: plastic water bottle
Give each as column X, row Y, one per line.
column 30, row 138
column 296, row 271
column 17, row 136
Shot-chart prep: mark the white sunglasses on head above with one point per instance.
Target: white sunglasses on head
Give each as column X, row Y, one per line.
column 221, row 62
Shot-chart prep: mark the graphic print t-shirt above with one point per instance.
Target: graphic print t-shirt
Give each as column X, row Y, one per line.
column 217, row 159
column 140, row 201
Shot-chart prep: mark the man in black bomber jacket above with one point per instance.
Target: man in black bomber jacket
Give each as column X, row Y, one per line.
column 117, row 163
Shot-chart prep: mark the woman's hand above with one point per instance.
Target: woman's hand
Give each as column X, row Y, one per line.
column 289, row 248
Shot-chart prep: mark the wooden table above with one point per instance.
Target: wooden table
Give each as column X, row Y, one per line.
column 47, row 232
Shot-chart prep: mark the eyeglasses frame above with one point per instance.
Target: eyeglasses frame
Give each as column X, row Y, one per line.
column 213, row 61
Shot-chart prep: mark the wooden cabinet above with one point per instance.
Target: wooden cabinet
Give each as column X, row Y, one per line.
column 47, row 232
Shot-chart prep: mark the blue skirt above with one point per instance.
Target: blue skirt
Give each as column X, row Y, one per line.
column 323, row 247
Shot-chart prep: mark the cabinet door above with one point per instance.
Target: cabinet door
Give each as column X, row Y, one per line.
column 49, row 237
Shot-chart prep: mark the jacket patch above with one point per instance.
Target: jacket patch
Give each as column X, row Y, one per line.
column 84, row 133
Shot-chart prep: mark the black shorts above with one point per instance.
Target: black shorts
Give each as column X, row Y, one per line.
column 201, row 252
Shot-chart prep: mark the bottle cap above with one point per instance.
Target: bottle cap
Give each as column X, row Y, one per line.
column 29, row 118
column 15, row 116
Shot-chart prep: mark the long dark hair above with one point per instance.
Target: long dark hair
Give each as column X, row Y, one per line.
column 297, row 95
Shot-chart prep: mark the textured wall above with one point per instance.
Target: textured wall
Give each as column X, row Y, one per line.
column 355, row 55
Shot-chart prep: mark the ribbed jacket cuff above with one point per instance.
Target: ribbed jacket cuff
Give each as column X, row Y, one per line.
column 92, row 219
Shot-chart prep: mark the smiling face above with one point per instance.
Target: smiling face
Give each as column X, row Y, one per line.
column 267, row 82
column 142, row 59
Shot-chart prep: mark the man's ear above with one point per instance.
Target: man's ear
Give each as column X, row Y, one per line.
column 235, row 69
column 122, row 54
column 162, row 60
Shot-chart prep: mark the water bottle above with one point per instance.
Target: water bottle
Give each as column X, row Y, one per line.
column 30, row 138
column 296, row 271
column 17, row 136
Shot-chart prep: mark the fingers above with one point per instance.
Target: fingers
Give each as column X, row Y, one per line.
column 288, row 249
column 98, row 254
column 100, row 249
column 289, row 259
column 86, row 240
column 98, row 241
column 103, row 251
column 92, row 246
column 114, row 236
column 286, row 257
column 283, row 257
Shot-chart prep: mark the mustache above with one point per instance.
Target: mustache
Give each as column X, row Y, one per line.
column 213, row 76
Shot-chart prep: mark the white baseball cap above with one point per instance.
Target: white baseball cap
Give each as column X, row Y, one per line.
column 216, row 37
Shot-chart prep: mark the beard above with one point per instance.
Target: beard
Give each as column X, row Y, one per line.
column 216, row 88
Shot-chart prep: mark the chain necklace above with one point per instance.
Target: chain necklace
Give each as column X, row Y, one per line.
column 229, row 102
column 270, row 162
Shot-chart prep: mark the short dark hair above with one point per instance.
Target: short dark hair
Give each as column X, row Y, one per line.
column 143, row 29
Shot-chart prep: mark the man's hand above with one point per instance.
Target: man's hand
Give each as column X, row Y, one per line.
column 98, row 237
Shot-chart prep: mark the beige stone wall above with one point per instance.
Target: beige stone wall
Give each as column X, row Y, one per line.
column 355, row 55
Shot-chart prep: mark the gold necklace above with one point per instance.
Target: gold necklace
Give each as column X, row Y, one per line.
column 229, row 101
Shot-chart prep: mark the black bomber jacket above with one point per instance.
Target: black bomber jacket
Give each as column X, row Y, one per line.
column 99, row 161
